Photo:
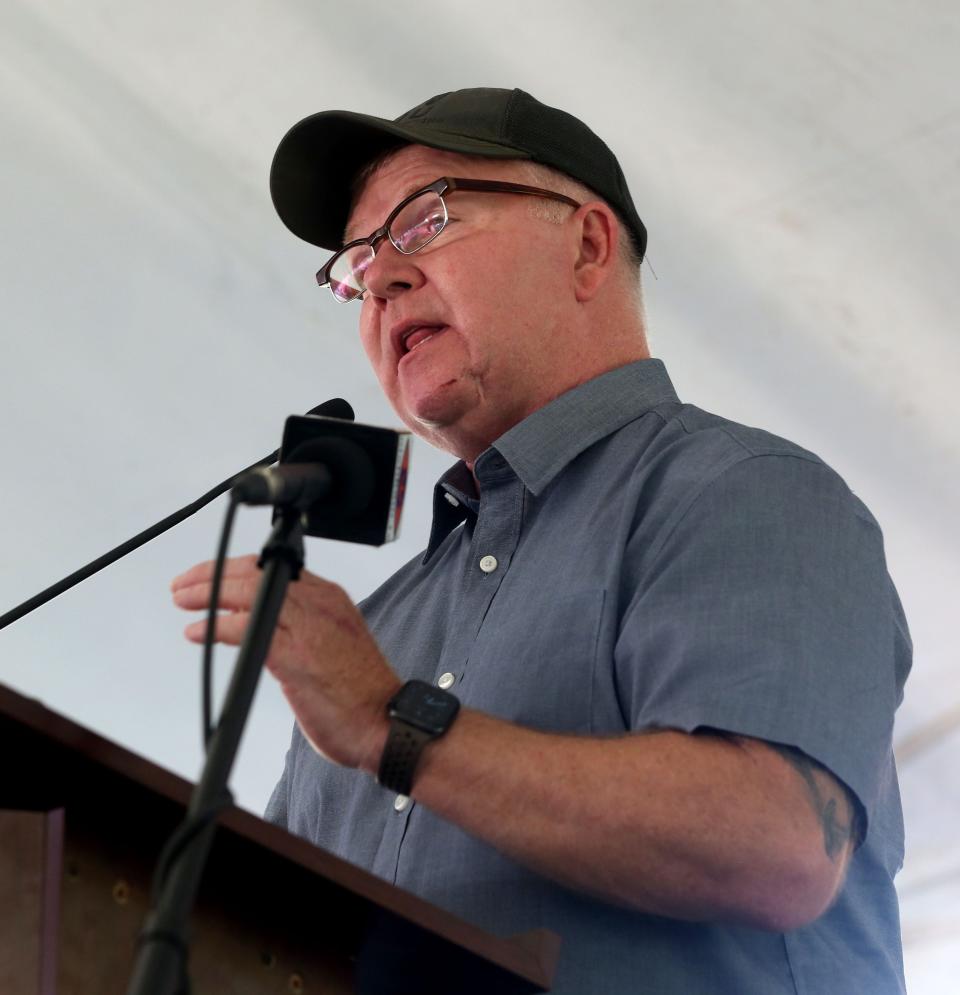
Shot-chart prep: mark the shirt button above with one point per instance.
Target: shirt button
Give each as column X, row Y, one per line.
column 400, row 803
column 488, row 564
column 446, row 680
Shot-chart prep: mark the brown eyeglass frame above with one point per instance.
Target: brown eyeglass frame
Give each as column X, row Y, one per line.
column 445, row 185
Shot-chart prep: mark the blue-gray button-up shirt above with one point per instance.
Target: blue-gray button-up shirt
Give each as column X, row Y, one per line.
column 635, row 563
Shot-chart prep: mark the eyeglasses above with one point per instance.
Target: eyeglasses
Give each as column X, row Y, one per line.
column 415, row 222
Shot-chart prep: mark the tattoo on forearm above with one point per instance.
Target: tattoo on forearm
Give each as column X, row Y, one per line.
column 838, row 815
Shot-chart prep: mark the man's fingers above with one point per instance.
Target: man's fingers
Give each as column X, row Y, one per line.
column 235, row 566
column 229, row 629
column 235, row 594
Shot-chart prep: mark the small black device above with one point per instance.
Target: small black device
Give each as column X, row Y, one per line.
column 419, row 713
column 348, row 480
column 368, row 467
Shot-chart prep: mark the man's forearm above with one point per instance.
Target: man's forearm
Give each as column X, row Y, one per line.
column 696, row 827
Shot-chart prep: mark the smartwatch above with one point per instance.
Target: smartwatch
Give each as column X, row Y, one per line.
column 419, row 713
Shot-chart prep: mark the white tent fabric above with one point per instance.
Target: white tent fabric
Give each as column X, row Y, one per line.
column 796, row 164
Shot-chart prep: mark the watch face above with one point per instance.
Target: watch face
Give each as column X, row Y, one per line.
column 424, row 706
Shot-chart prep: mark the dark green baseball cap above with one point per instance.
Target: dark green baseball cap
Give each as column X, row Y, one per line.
column 318, row 160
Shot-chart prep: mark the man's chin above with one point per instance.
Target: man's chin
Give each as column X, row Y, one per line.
column 443, row 406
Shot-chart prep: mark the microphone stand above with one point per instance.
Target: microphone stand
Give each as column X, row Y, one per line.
column 161, row 963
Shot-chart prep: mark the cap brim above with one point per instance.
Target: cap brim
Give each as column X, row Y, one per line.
column 312, row 176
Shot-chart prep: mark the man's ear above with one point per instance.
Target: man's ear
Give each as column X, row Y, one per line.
column 599, row 234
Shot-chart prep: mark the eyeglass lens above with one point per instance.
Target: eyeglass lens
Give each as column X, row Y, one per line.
column 416, row 224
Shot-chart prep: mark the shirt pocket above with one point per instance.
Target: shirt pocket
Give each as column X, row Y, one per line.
column 535, row 658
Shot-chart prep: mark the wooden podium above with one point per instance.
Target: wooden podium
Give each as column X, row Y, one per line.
column 82, row 821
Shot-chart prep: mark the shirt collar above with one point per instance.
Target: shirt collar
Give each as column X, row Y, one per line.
column 539, row 447
column 454, row 497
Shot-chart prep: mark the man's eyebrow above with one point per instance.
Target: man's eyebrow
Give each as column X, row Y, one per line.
column 348, row 232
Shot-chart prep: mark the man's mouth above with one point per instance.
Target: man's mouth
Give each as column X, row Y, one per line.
column 417, row 336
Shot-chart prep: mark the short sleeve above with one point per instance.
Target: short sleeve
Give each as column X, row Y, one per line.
column 765, row 609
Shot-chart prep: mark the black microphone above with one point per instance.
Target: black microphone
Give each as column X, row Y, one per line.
column 296, row 486
column 349, row 480
column 336, row 407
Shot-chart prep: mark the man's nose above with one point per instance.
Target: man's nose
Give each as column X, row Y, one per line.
column 390, row 273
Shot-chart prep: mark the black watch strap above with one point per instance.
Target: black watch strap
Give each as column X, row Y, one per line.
column 400, row 755
column 419, row 712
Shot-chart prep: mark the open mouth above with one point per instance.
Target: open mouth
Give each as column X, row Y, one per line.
column 416, row 337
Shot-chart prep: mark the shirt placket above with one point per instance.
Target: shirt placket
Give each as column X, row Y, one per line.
column 492, row 547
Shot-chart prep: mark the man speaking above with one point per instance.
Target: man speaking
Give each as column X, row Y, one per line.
column 639, row 688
